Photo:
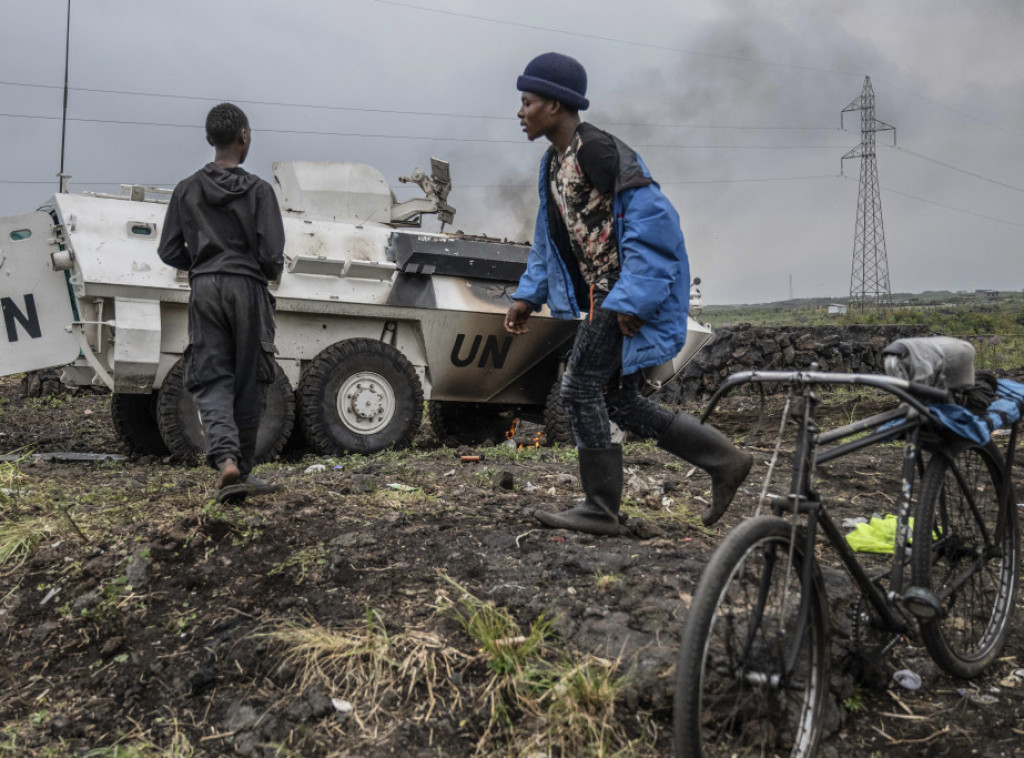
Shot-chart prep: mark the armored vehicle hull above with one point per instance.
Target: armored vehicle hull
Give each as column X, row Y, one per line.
column 373, row 317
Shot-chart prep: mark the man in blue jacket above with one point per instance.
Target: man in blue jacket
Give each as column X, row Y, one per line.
column 608, row 243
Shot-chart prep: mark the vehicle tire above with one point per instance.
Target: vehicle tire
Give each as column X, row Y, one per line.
column 360, row 396
column 182, row 430
column 973, row 562
column 135, row 421
column 557, row 429
column 733, row 696
column 469, row 423
column 296, row 445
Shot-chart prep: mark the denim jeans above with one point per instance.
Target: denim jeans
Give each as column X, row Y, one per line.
column 593, row 390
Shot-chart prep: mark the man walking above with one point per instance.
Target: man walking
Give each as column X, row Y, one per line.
column 224, row 227
column 608, row 243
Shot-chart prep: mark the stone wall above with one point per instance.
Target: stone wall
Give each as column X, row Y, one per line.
column 856, row 349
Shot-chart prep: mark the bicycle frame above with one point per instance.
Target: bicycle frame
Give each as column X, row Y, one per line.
column 905, row 422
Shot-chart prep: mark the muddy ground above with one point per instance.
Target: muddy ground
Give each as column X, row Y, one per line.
column 137, row 617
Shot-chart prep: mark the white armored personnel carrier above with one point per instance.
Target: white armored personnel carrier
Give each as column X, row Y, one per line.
column 373, row 317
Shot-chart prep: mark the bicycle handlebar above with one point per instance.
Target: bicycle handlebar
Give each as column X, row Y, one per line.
column 911, row 392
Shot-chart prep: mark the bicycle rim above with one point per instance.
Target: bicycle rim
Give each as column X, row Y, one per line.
column 735, row 692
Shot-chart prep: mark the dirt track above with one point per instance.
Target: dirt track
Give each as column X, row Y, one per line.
column 140, row 614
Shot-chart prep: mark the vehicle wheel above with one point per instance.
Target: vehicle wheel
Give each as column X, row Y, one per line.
column 296, row 445
column 182, row 431
column 735, row 692
column 360, row 396
column 469, row 423
column 973, row 564
column 135, row 422
column 556, row 421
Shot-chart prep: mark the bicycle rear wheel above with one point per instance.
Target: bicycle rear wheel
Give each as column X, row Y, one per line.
column 748, row 680
column 973, row 564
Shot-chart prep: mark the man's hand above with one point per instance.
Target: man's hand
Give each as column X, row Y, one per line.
column 516, row 317
column 629, row 324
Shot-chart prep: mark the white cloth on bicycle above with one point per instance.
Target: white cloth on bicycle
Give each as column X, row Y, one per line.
column 943, row 362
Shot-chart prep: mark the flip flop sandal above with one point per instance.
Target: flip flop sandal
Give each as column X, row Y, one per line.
column 233, row 493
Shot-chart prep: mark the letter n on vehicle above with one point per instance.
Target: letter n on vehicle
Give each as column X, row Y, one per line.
column 497, row 353
column 29, row 322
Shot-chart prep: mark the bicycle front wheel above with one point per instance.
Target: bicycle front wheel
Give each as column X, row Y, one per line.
column 966, row 550
column 751, row 677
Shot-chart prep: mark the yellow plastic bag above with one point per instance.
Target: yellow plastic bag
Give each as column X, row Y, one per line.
column 876, row 536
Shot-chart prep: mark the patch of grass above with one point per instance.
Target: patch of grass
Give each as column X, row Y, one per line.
column 483, row 476
column 143, row 746
column 681, row 509
column 606, row 581
column 213, row 511
column 107, row 607
column 554, row 453
column 22, row 738
column 639, row 447
column 11, row 478
column 506, row 649
column 183, row 619
column 302, row 563
column 18, row 538
column 856, row 703
column 48, row 401
column 370, row 667
column 566, row 702
column 577, row 702
column 390, row 499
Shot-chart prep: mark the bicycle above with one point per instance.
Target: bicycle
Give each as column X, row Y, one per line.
column 753, row 667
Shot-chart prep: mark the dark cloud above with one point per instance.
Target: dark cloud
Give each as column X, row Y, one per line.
column 949, row 81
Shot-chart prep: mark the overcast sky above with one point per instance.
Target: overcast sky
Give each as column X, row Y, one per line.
column 734, row 104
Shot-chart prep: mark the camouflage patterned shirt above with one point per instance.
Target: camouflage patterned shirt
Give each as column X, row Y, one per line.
column 588, row 216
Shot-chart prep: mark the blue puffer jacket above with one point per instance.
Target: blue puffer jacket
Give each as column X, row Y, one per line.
column 654, row 282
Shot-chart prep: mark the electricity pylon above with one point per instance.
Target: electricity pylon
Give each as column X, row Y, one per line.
column 869, row 280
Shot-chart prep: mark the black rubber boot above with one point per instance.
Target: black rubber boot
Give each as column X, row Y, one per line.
column 706, row 447
column 601, row 477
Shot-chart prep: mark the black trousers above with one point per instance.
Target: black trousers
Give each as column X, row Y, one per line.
column 230, row 362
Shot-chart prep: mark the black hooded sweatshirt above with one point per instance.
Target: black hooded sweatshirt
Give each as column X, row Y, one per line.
column 224, row 221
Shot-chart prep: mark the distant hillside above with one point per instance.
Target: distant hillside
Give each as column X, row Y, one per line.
column 907, row 308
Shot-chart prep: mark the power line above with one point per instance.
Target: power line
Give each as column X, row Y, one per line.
column 204, row 98
column 953, row 208
column 948, row 108
column 743, row 181
column 688, row 51
column 396, row 112
column 533, row 185
column 416, row 137
column 616, row 40
column 961, row 170
column 83, row 183
column 944, row 205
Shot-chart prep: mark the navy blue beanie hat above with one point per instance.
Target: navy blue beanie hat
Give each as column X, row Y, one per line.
column 557, row 77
